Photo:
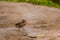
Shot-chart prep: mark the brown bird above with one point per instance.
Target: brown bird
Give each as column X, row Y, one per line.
column 20, row 24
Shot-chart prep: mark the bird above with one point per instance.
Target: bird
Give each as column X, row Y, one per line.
column 21, row 24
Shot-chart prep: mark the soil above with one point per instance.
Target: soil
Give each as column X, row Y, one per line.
column 43, row 23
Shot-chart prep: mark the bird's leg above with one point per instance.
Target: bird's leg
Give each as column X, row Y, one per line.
column 18, row 29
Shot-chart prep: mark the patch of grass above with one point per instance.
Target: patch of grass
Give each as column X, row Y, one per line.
column 37, row 2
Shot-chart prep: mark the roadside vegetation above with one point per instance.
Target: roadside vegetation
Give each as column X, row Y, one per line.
column 51, row 3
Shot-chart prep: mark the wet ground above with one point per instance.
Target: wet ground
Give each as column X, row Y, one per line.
column 43, row 23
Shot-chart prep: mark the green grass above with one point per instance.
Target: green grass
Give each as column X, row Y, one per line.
column 38, row 2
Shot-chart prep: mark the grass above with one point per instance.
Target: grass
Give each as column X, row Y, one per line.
column 38, row 2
